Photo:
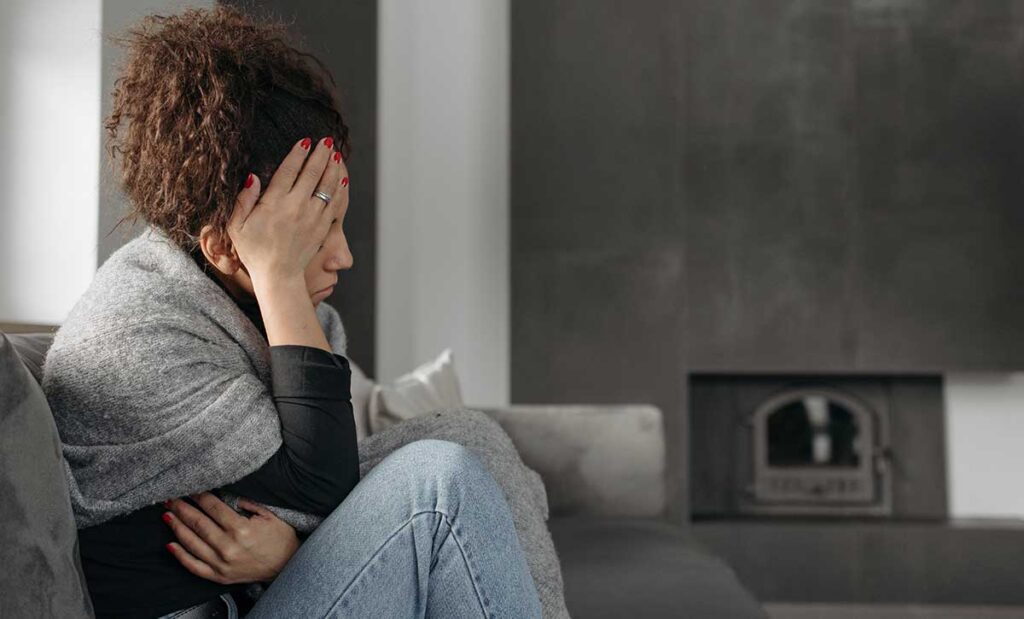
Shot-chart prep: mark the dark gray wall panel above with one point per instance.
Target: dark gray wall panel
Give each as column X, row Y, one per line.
column 597, row 270
column 920, row 472
column 602, row 342
column 772, row 267
column 595, row 132
column 852, row 185
column 940, row 126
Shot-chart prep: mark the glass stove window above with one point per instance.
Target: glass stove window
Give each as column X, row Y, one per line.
column 812, row 431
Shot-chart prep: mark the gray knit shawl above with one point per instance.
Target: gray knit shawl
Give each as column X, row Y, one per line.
column 160, row 385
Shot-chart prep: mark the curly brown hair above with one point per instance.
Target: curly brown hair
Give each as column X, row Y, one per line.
column 203, row 98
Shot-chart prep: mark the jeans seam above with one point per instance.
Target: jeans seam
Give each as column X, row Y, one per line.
column 458, row 543
column 465, row 559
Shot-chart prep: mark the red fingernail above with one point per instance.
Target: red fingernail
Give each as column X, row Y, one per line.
column 248, row 181
column 337, row 157
column 170, row 548
column 167, row 517
column 306, row 142
column 328, row 142
column 344, row 182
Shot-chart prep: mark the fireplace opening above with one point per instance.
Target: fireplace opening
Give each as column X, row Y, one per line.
column 817, row 445
column 816, row 449
column 810, row 429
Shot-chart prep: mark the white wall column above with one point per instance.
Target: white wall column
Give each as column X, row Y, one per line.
column 58, row 200
column 49, row 129
column 442, row 187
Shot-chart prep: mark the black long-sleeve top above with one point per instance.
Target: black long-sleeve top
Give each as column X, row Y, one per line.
column 129, row 572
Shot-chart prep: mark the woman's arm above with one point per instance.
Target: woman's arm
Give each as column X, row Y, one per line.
column 318, row 462
column 315, row 468
column 275, row 236
column 287, row 311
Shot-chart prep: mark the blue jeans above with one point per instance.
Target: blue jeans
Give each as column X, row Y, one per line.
column 426, row 533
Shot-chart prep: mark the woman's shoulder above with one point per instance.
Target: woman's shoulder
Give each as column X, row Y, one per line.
column 143, row 292
column 128, row 287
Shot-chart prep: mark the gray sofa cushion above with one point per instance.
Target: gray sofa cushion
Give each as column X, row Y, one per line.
column 32, row 347
column 619, row 567
column 606, row 460
column 40, row 571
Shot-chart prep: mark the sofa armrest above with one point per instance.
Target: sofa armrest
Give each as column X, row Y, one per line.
column 606, row 460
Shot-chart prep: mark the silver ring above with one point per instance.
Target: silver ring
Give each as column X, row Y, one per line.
column 323, row 196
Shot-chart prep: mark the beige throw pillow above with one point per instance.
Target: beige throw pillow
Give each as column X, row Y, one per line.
column 432, row 386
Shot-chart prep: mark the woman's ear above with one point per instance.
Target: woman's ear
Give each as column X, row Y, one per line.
column 219, row 251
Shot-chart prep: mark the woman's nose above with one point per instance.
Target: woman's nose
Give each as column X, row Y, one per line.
column 341, row 258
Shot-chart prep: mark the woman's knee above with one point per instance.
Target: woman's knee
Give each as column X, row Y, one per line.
column 441, row 463
column 432, row 455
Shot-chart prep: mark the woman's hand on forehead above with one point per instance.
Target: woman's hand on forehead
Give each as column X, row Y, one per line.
column 342, row 187
column 278, row 231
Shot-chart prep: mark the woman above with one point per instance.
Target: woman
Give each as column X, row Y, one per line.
column 201, row 389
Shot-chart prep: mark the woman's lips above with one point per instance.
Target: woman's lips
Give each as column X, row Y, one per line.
column 325, row 292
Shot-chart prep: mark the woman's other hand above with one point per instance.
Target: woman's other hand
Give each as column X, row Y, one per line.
column 275, row 235
column 219, row 544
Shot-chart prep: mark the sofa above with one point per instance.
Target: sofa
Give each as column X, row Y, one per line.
column 603, row 468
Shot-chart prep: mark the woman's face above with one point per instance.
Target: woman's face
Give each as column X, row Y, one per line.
column 321, row 273
column 333, row 256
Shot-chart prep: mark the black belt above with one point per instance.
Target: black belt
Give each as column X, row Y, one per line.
column 217, row 608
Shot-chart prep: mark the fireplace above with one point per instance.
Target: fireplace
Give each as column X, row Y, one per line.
column 819, row 451
column 817, row 445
